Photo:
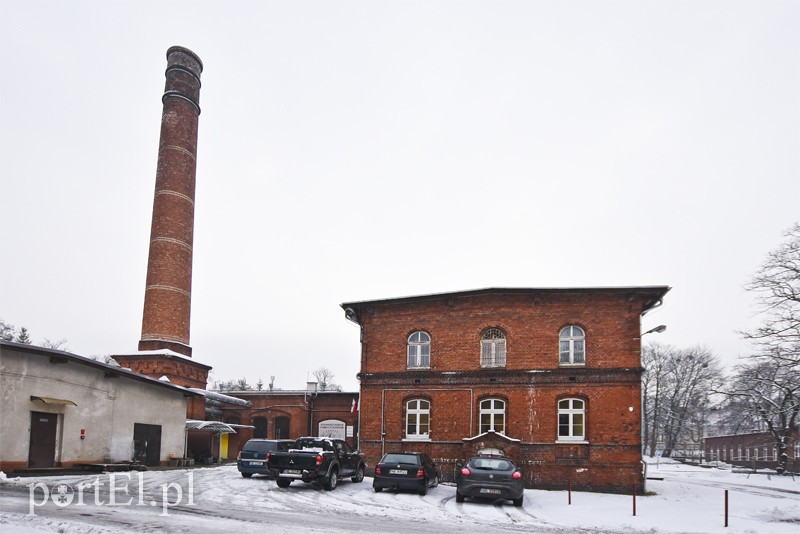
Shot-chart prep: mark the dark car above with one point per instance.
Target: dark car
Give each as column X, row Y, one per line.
column 252, row 459
column 405, row 471
column 490, row 477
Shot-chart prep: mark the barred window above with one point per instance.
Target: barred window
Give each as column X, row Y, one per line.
column 493, row 348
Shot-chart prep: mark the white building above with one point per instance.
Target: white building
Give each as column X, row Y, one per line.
column 61, row 409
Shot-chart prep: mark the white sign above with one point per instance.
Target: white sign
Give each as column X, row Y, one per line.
column 331, row 428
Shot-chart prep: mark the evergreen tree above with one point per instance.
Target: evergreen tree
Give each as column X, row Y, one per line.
column 23, row 336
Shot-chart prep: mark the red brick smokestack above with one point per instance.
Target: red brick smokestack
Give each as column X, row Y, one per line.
column 168, row 291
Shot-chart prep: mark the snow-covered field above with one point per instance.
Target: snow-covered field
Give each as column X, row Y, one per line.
column 217, row 499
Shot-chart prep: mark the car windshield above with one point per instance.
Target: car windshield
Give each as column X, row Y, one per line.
column 491, row 463
column 394, row 458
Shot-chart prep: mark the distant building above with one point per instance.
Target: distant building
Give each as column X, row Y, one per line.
column 60, row 409
column 280, row 414
column 551, row 376
column 755, row 450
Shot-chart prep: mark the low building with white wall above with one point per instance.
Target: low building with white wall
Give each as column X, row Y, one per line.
column 60, row 409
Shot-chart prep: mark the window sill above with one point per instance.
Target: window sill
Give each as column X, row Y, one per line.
column 561, row 364
column 572, row 442
column 415, row 440
column 426, row 368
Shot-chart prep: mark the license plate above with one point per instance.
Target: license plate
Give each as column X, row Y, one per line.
column 490, row 490
column 397, row 472
column 291, row 471
column 256, row 462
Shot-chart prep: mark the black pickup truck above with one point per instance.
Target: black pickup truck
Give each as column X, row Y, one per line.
column 322, row 460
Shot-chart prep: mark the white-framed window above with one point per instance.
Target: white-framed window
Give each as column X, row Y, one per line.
column 572, row 346
column 739, row 453
column 764, row 453
column 418, row 419
column 774, row 454
column 493, row 416
column 493, row 348
column 419, row 350
column 571, row 420
column 747, row 453
column 755, row 453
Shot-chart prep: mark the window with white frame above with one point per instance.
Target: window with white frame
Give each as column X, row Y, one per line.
column 755, row 453
column 571, row 420
column 493, row 348
column 418, row 419
column 493, row 416
column 419, row 350
column 724, row 454
column 747, row 453
column 572, row 346
column 739, row 453
column 774, row 454
column 764, row 453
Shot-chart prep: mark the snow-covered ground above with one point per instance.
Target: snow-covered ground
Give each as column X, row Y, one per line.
column 217, row 499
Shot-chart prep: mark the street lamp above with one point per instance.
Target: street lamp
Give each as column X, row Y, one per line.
column 657, row 330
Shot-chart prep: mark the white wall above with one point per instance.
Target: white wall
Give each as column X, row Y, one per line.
column 107, row 408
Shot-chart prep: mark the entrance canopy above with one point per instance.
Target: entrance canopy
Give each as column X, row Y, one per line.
column 217, row 427
column 51, row 400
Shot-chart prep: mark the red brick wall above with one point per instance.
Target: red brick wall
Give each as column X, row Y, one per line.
column 531, row 383
column 304, row 412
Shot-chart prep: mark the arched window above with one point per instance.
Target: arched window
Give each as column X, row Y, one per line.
column 572, row 346
column 493, row 416
column 493, row 348
column 418, row 419
column 419, row 350
column 571, row 420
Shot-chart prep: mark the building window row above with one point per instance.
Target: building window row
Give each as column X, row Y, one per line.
column 492, row 418
column 571, row 351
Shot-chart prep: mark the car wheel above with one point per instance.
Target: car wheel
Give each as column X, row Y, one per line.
column 283, row 482
column 359, row 474
column 332, row 481
column 424, row 490
column 459, row 497
column 518, row 502
column 247, row 475
column 377, row 489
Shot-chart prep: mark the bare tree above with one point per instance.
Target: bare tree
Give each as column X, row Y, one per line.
column 7, row 331
column 59, row 344
column 676, row 386
column 325, row 378
column 767, row 386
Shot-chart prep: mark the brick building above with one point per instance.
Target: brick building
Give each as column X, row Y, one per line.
column 754, row 450
column 282, row 414
column 551, row 376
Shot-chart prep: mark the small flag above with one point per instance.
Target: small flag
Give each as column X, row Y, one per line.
column 354, row 406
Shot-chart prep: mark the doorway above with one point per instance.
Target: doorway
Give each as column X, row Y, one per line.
column 147, row 444
column 42, row 449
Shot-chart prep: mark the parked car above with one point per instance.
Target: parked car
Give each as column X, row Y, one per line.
column 405, row 471
column 252, row 459
column 490, row 476
column 321, row 460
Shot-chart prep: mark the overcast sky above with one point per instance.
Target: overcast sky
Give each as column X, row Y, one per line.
column 369, row 150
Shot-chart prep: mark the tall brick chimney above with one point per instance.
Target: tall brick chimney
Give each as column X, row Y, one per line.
column 164, row 349
column 168, row 290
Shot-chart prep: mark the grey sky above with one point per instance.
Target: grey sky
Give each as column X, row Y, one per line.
column 367, row 150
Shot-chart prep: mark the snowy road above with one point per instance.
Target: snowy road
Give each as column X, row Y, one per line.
column 217, row 499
